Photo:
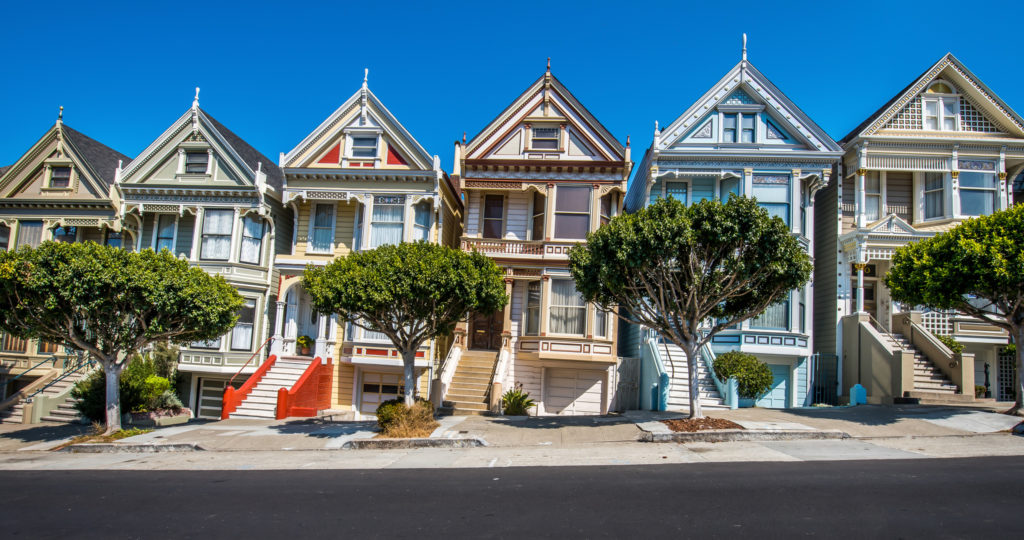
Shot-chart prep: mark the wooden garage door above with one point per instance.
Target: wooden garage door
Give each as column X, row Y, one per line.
column 378, row 388
column 776, row 397
column 573, row 391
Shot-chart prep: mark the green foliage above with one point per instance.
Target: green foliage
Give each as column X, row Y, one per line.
column 1010, row 349
column 388, row 411
column 979, row 391
column 951, row 343
column 304, row 342
column 516, row 402
column 398, row 420
column 141, row 389
column 753, row 376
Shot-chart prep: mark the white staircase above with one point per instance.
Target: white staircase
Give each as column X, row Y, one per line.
column 679, row 382
column 65, row 412
column 262, row 401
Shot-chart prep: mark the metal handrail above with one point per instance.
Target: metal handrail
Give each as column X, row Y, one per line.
column 3, row 389
column 239, row 372
column 81, row 363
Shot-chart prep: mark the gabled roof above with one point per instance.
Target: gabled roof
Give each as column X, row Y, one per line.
column 369, row 104
column 4, row 169
column 744, row 75
column 102, row 158
column 509, row 118
column 879, row 118
column 251, row 156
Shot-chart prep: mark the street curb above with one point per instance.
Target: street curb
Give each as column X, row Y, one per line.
column 388, row 444
column 114, row 448
column 730, row 435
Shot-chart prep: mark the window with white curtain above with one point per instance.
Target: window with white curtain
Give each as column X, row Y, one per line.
column 568, row 312
column 216, row 241
column 421, row 221
column 531, row 315
column 572, row 212
column 776, row 317
column 387, row 220
column 241, row 334
column 30, row 233
column 934, row 195
column 357, row 241
column 872, row 196
column 772, row 194
column 321, row 237
column 977, row 188
column 165, row 224
column 600, row 322
column 251, row 249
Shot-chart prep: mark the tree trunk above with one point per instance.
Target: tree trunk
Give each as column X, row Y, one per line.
column 113, row 376
column 1018, row 406
column 691, row 368
column 409, row 361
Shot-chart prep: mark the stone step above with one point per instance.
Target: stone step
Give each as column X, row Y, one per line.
column 466, row 398
column 468, row 370
column 261, row 399
column 251, row 416
column 472, row 379
column 940, row 398
column 249, row 405
column 469, row 405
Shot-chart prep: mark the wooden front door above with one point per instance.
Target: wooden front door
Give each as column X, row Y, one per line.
column 486, row 331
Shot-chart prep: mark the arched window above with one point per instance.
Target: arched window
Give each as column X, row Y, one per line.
column 941, row 107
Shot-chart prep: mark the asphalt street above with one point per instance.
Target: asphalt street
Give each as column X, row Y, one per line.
column 936, row 498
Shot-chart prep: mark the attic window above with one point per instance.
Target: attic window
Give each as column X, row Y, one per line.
column 364, row 147
column 196, row 162
column 940, row 88
column 60, row 177
column 544, row 139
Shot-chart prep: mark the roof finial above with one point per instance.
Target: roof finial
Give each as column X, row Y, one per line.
column 549, row 64
column 195, row 102
column 60, row 114
column 744, row 46
column 463, row 137
column 627, row 141
column 366, row 76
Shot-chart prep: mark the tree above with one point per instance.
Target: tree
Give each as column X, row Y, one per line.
column 111, row 303
column 411, row 292
column 685, row 270
column 977, row 268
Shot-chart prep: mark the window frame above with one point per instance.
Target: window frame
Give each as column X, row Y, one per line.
column 877, row 195
column 556, row 139
column 203, row 235
column 353, row 147
column 156, row 232
column 402, row 202
column 992, row 190
column 205, row 161
column 21, row 230
column 786, row 309
column 311, row 233
column 588, row 213
column 582, row 308
column 53, row 176
column 531, row 311
column 246, row 236
column 941, row 190
column 940, row 101
column 538, row 213
column 5, row 237
column 252, row 325
column 422, row 231
column 788, row 215
column 500, row 219
column 66, row 229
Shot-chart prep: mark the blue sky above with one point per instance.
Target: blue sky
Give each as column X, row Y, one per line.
column 272, row 72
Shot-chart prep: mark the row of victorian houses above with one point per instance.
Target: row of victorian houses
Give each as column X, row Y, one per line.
column 533, row 183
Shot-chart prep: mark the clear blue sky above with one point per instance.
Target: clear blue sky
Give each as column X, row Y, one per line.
column 272, row 72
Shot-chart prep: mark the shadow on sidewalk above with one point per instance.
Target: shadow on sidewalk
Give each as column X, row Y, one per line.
column 316, row 427
column 558, row 422
column 35, row 433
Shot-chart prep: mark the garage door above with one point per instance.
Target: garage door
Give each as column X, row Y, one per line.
column 777, row 394
column 573, row 391
column 378, row 388
column 210, row 397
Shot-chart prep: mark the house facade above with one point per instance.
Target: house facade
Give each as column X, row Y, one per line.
column 535, row 181
column 203, row 193
column 743, row 137
column 942, row 150
column 60, row 189
column 358, row 181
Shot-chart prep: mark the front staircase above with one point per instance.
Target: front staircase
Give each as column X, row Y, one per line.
column 931, row 386
column 262, row 401
column 470, row 388
column 674, row 360
column 64, row 413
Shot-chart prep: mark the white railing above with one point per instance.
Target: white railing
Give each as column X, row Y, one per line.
column 451, row 363
column 489, row 246
column 937, row 322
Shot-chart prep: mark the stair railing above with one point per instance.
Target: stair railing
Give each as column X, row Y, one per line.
column 82, row 361
column 310, row 394
column 233, row 398
column 728, row 389
column 447, row 374
column 3, row 389
column 258, row 349
column 651, row 356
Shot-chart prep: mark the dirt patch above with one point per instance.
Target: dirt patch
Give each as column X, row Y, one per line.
column 700, row 424
column 99, row 438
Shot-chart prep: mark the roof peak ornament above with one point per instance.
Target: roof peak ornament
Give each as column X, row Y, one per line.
column 366, row 76
column 60, row 114
column 195, row 113
column 362, row 97
column 549, row 65
column 744, row 46
column 195, row 102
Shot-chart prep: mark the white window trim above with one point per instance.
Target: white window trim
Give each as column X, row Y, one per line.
column 483, row 213
column 242, row 237
column 940, row 110
column 922, row 192
column 49, row 177
column 232, row 241
column 312, row 221
column 560, row 145
column 550, row 306
column 156, row 231
column 255, row 327
column 362, row 133
column 741, row 111
column 958, row 210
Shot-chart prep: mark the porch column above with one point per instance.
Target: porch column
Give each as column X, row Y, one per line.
column 320, row 349
column 861, row 200
column 332, row 336
column 277, row 346
column 197, row 233
column 860, row 265
column 549, row 213
column 506, row 325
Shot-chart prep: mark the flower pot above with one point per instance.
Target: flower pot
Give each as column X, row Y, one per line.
column 305, row 351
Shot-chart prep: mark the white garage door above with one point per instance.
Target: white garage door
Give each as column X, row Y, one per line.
column 378, row 388
column 573, row 391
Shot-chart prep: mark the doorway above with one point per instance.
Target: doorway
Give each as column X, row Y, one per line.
column 486, row 331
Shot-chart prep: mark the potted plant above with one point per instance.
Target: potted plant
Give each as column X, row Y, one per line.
column 305, row 343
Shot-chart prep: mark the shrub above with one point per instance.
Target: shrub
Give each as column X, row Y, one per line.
column 752, row 375
column 397, row 420
column 979, row 391
column 953, row 344
column 142, row 388
column 1010, row 349
column 516, row 402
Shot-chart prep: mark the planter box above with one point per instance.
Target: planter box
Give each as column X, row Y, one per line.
column 746, row 403
column 158, row 418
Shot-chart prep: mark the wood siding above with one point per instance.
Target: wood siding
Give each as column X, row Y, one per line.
column 186, row 228
column 826, row 236
column 849, row 203
column 899, row 194
column 342, row 390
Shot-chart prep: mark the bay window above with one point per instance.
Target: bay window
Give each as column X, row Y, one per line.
column 776, row 317
column 387, row 220
column 251, row 250
column 538, row 217
column 216, row 240
column 977, row 188
column 872, row 196
column 934, row 195
column 531, row 315
column 421, row 221
column 165, row 224
column 772, row 194
column 572, row 212
column 241, row 334
column 568, row 311
column 30, row 233
column 321, row 237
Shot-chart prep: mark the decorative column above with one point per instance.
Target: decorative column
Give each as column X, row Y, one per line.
column 549, row 213
column 277, row 345
column 236, row 235
column 860, row 265
column 197, row 233
column 861, row 199
column 332, row 336
column 320, row 349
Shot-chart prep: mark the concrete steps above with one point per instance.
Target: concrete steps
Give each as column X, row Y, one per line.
column 469, row 390
column 928, row 379
column 261, row 402
column 679, row 385
column 64, row 413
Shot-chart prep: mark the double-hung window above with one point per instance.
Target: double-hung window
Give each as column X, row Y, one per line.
column 5, row 237
column 321, row 235
column 251, row 249
column 165, row 232
column 60, row 177
column 494, row 214
column 68, row 235
column 216, row 241
column 776, row 317
column 196, row 162
column 572, row 212
column 568, row 311
column 544, row 139
column 241, row 334
column 600, row 322
column 387, row 221
column 747, row 128
column 421, row 221
column 872, row 196
column 532, row 313
column 208, row 344
column 30, row 233
column 606, row 209
column 772, row 194
column 538, row 217
column 357, row 240
column 676, row 190
column 729, row 127
column 934, row 195
column 364, row 147
column 977, row 188
column 940, row 113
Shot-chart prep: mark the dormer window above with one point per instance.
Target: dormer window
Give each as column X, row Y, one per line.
column 544, row 139
column 364, row 147
column 196, row 162
column 739, row 127
column 60, row 177
column 941, row 105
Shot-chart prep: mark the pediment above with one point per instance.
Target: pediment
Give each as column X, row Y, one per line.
column 892, row 224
